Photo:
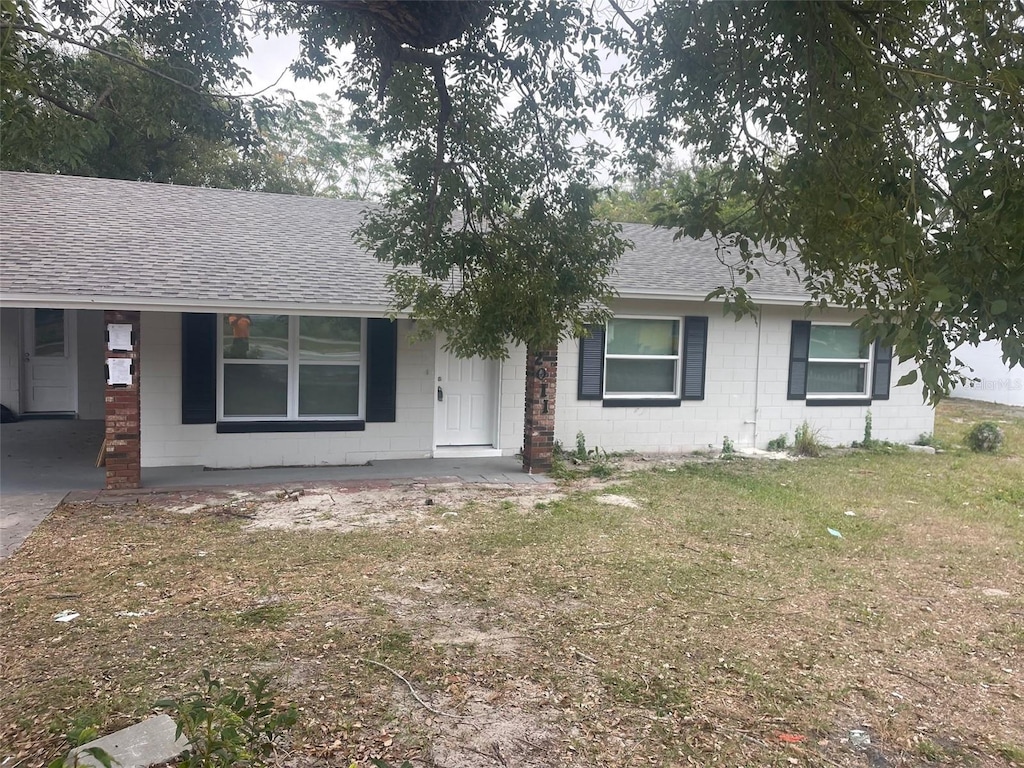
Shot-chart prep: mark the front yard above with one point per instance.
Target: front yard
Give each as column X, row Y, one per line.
column 699, row 612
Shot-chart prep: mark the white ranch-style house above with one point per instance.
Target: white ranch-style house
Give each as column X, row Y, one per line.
column 240, row 329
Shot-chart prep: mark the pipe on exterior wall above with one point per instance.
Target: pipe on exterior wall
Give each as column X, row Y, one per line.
column 757, row 373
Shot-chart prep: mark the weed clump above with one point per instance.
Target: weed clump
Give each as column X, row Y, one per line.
column 779, row 443
column 806, row 441
column 985, row 437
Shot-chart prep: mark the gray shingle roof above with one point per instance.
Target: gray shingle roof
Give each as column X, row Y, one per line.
column 661, row 265
column 79, row 239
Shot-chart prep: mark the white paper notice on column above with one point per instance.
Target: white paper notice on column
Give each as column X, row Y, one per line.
column 119, row 371
column 119, row 337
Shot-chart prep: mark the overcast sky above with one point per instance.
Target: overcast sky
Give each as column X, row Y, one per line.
column 269, row 61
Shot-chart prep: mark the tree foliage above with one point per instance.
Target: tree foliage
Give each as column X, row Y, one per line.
column 875, row 145
column 121, row 114
column 486, row 112
column 656, row 198
column 319, row 154
column 884, row 140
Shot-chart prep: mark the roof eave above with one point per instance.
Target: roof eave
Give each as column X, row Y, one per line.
column 159, row 304
column 758, row 298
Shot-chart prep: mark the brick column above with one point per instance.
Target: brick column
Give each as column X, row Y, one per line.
column 123, row 434
column 539, row 424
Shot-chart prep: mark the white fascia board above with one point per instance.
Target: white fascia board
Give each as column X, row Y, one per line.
column 147, row 304
column 788, row 301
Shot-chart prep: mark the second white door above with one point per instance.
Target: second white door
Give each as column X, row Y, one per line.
column 466, row 400
column 49, row 364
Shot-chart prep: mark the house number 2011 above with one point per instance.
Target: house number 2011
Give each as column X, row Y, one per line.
column 541, row 373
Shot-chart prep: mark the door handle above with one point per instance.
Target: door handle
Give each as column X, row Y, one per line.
column 440, row 395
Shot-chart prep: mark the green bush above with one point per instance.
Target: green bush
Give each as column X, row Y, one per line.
column 985, row 437
column 779, row 443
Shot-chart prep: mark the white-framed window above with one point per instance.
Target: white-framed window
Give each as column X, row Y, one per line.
column 291, row 367
column 641, row 357
column 839, row 362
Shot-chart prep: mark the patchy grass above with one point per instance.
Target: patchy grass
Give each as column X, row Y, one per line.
column 714, row 621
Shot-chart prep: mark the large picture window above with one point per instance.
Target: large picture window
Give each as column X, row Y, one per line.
column 288, row 367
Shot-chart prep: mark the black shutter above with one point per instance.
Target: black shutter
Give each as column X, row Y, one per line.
column 882, row 371
column 198, row 368
column 591, row 373
column 695, row 354
column 799, row 351
column 381, row 369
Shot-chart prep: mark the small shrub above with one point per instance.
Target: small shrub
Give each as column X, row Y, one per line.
column 227, row 726
column 925, row 438
column 728, row 449
column 581, row 446
column 867, row 430
column 985, row 437
column 806, row 442
column 779, row 443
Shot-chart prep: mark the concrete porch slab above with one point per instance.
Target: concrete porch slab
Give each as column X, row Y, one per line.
column 45, row 460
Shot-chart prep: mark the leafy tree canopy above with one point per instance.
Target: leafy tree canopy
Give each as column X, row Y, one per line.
column 880, row 140
column 885, row 140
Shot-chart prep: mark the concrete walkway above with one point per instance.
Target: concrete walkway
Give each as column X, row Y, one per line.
column 44, row 460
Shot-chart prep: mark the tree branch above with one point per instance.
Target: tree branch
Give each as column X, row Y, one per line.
column 632, row 24
column 64, row 106
column 35, row 29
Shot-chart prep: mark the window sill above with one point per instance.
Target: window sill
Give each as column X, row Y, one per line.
column 247, row 427
column 642, row 402
column 834, row 401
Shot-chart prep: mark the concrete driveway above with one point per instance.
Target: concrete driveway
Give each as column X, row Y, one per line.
column 40, row 461
column 43, row 460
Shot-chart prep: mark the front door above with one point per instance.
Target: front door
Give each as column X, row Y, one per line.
column 49, row 361
column 466, row 400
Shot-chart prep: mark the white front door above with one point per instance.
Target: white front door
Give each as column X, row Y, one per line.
column 466, row 400
column 49, row 361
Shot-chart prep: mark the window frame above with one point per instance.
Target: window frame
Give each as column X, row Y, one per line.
column 674, row 395
column 293, row 363
column 868, row 362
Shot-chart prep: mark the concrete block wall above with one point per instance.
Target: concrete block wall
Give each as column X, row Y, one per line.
column 745, row 393
column 511, row 401
column 901, row 419
column 168, row 442
column 727, row 408
column 10, row 358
